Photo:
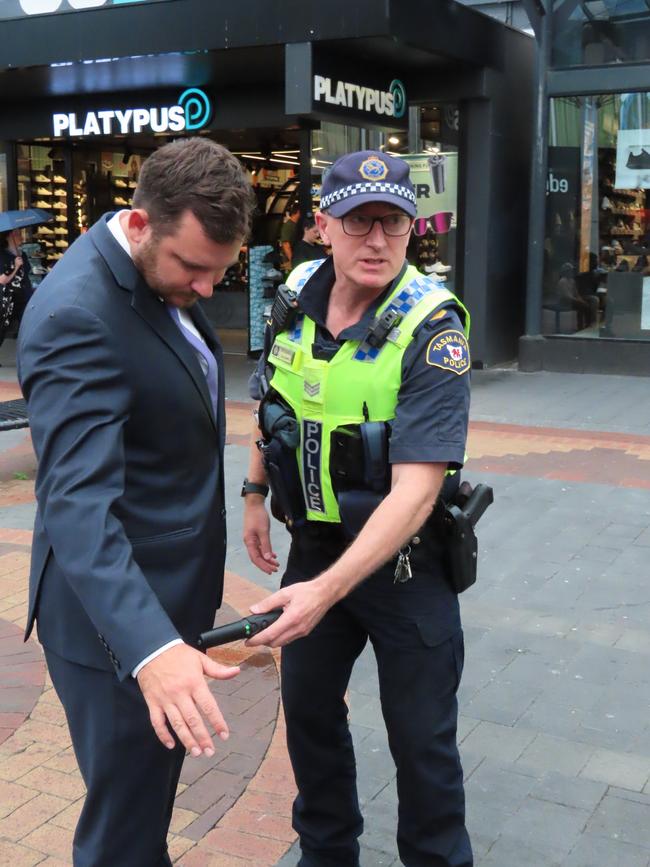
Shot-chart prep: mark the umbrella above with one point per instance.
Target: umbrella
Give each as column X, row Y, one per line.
column 10, row 220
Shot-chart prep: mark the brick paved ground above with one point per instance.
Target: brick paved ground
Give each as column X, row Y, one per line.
column 554, row 727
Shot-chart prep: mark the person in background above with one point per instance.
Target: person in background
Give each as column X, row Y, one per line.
column 288, row 236
column 308, row 249
column 15, row 283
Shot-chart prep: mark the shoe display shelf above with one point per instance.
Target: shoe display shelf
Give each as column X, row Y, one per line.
column 622, row 211
column 123, row 191
column 80, row 214
column 52, row 237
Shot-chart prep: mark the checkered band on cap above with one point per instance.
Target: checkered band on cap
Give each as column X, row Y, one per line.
column 363, row 188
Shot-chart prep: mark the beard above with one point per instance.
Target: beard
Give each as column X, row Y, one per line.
column 146, row 260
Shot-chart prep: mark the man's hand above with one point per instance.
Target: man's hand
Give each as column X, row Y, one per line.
column 18, row 263
column 257, row 535
column 174, row 687
column 304, row 605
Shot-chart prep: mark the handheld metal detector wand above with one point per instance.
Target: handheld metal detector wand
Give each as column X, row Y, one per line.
column 244, row 628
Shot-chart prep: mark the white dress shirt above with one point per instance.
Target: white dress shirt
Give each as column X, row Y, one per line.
column 117, row 231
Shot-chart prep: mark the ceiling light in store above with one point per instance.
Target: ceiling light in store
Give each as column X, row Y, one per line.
column 253, row 157
column 287, row 152
column 314, row 161
column 393, row 140
column 287, row 157
column 317, row 149
column 284, row 162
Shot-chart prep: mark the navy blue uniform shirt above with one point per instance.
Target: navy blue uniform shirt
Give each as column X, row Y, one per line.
column 432, row 410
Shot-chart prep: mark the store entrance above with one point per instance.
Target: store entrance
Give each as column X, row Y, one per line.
column 77, row 182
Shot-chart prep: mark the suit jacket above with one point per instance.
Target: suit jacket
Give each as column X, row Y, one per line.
column 129, row 538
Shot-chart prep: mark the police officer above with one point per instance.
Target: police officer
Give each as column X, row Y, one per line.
column 375, row 346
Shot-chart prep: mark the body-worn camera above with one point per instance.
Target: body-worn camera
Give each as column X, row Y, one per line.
column 284, row 309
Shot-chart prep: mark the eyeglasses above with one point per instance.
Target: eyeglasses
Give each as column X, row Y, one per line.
column 394, row 225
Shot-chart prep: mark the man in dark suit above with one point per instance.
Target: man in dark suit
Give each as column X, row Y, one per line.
column 124, row 383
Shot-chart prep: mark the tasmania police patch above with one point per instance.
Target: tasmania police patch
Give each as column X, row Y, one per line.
column 449, row 350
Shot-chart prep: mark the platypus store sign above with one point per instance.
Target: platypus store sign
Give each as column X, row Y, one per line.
column 192, row 111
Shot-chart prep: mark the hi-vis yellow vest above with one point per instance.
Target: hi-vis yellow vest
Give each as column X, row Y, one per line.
column 360, row 383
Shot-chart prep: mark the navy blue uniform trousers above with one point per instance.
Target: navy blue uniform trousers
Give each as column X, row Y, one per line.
column 118, row 752
column 415, row 632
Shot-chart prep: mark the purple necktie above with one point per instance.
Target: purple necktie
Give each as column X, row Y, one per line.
column 203, row 354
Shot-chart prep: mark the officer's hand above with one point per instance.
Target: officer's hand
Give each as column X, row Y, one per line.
column 257, row 535
column 304, row 605
column 174, row 687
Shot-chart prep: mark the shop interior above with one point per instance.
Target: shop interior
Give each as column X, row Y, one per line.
column 597, row 250
column 76, row 182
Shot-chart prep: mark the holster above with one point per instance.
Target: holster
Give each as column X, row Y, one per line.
column 283, row 476
column 456, row 521
column 280, row 440
column 460, row 550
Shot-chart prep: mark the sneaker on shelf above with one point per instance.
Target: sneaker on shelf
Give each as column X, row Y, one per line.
column 120, row 183
column 44, row 230
column 61, row 206
column 41, row 204
column 61, row 218
column 58, row 179
column 56, row 256
column 439, row 268
column 61, row 243
column 43, row 191
column 133, row 184
column 429, row 269
column 42, row 179
column 60, row 192
column 59, row 230
column 120, row 200
column 638, row 161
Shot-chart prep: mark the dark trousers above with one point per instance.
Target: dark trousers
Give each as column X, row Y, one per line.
column 130, row 776
column 415, row 632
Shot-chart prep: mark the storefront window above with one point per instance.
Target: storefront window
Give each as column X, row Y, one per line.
column 597, row 246
column 434, row 172
column 432, row 248
column 595, row 32
column 42, row 183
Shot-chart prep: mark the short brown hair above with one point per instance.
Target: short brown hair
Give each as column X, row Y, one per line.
column 201, row 176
